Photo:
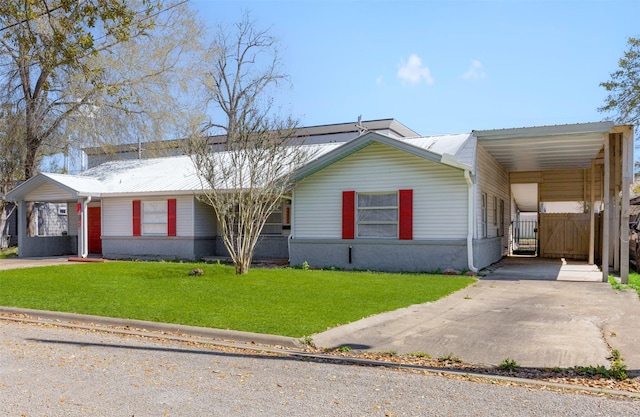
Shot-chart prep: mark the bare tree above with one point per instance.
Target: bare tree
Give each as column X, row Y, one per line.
column 246, row 182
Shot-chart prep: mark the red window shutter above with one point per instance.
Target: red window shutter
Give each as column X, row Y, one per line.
column 406, row 215
column 171, row 217
column 136, row 217
column 348, row 214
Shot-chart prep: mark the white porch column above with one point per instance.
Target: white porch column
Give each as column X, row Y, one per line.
column 81, row 229
column 22, row 228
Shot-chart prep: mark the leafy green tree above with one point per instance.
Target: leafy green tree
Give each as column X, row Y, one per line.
column 623, row 98
column 67, row 65
column 97, row 71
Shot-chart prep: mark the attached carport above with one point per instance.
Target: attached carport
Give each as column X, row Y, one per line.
column 77, row 192
column 590, row 163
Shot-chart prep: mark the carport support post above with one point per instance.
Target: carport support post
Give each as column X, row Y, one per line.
column 592, row 215
column 606, row 216
column 627, row 180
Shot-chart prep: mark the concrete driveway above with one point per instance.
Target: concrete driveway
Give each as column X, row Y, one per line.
column 15, row 263
column 537, row 319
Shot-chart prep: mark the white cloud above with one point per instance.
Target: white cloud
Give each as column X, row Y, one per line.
column 414, row 72
column 475, row 71
column 379, row 80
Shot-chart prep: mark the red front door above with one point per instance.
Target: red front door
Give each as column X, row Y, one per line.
column 94, row 230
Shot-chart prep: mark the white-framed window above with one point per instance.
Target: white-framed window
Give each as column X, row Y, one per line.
column 273, row 225
column 485, row 214
column 377, row 215
column 62, row 209
column 495, row 210
column 154, row 218
column 501, row 217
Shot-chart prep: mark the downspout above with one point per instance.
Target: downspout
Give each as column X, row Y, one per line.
column 291, row 230
column 470, row 222
column 85, row 232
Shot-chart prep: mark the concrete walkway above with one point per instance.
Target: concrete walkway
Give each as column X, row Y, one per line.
column 541, row 321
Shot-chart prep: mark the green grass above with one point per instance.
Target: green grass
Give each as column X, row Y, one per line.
column 287, row 302
column 634, row 282
column 9, row 253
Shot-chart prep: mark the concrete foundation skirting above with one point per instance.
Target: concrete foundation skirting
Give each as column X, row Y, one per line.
column 268, row 247
column 487, row 251
column 37, row 246
column 381, row 254
column 157, row 247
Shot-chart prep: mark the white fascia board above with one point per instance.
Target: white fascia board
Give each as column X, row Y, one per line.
column 140, row 194
column 541, row 131
column 450, row 160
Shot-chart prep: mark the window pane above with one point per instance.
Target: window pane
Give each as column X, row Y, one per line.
column 379, row 215
column 154, row 206
column 154, row 229
column 155, row 218
column 275, row 217
column 377, row 230
column 272, row 229
column 378, row 200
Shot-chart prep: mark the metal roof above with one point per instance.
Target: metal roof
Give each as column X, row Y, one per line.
column 545, row 147
column 169, row 175
column 313, row 134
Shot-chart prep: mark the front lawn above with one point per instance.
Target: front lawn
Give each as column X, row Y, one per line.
column 290, row 302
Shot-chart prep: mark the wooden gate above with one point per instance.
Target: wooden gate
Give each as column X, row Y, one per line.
column 565, row 235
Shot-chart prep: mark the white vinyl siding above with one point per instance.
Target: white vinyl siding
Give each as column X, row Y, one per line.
column 204, row 219
column 492, row 179
column 439, row 193
column 72, row 218
column 117, row 215
column 49, row 193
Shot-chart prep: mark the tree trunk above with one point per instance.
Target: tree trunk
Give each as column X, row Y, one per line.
column 4, row 239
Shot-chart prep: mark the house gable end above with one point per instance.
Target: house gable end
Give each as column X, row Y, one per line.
column 362, row 142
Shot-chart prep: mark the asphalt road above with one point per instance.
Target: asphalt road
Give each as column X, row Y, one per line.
column 51, row 371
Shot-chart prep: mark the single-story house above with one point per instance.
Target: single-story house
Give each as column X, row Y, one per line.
column 429, row 203
column 374, row 201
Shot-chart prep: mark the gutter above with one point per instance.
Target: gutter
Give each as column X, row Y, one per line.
column 451, row 161
column 470, row 222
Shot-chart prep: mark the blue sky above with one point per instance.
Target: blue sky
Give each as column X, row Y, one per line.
column 442, row 66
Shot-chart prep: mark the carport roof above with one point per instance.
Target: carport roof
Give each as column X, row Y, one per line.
column 571, row 146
